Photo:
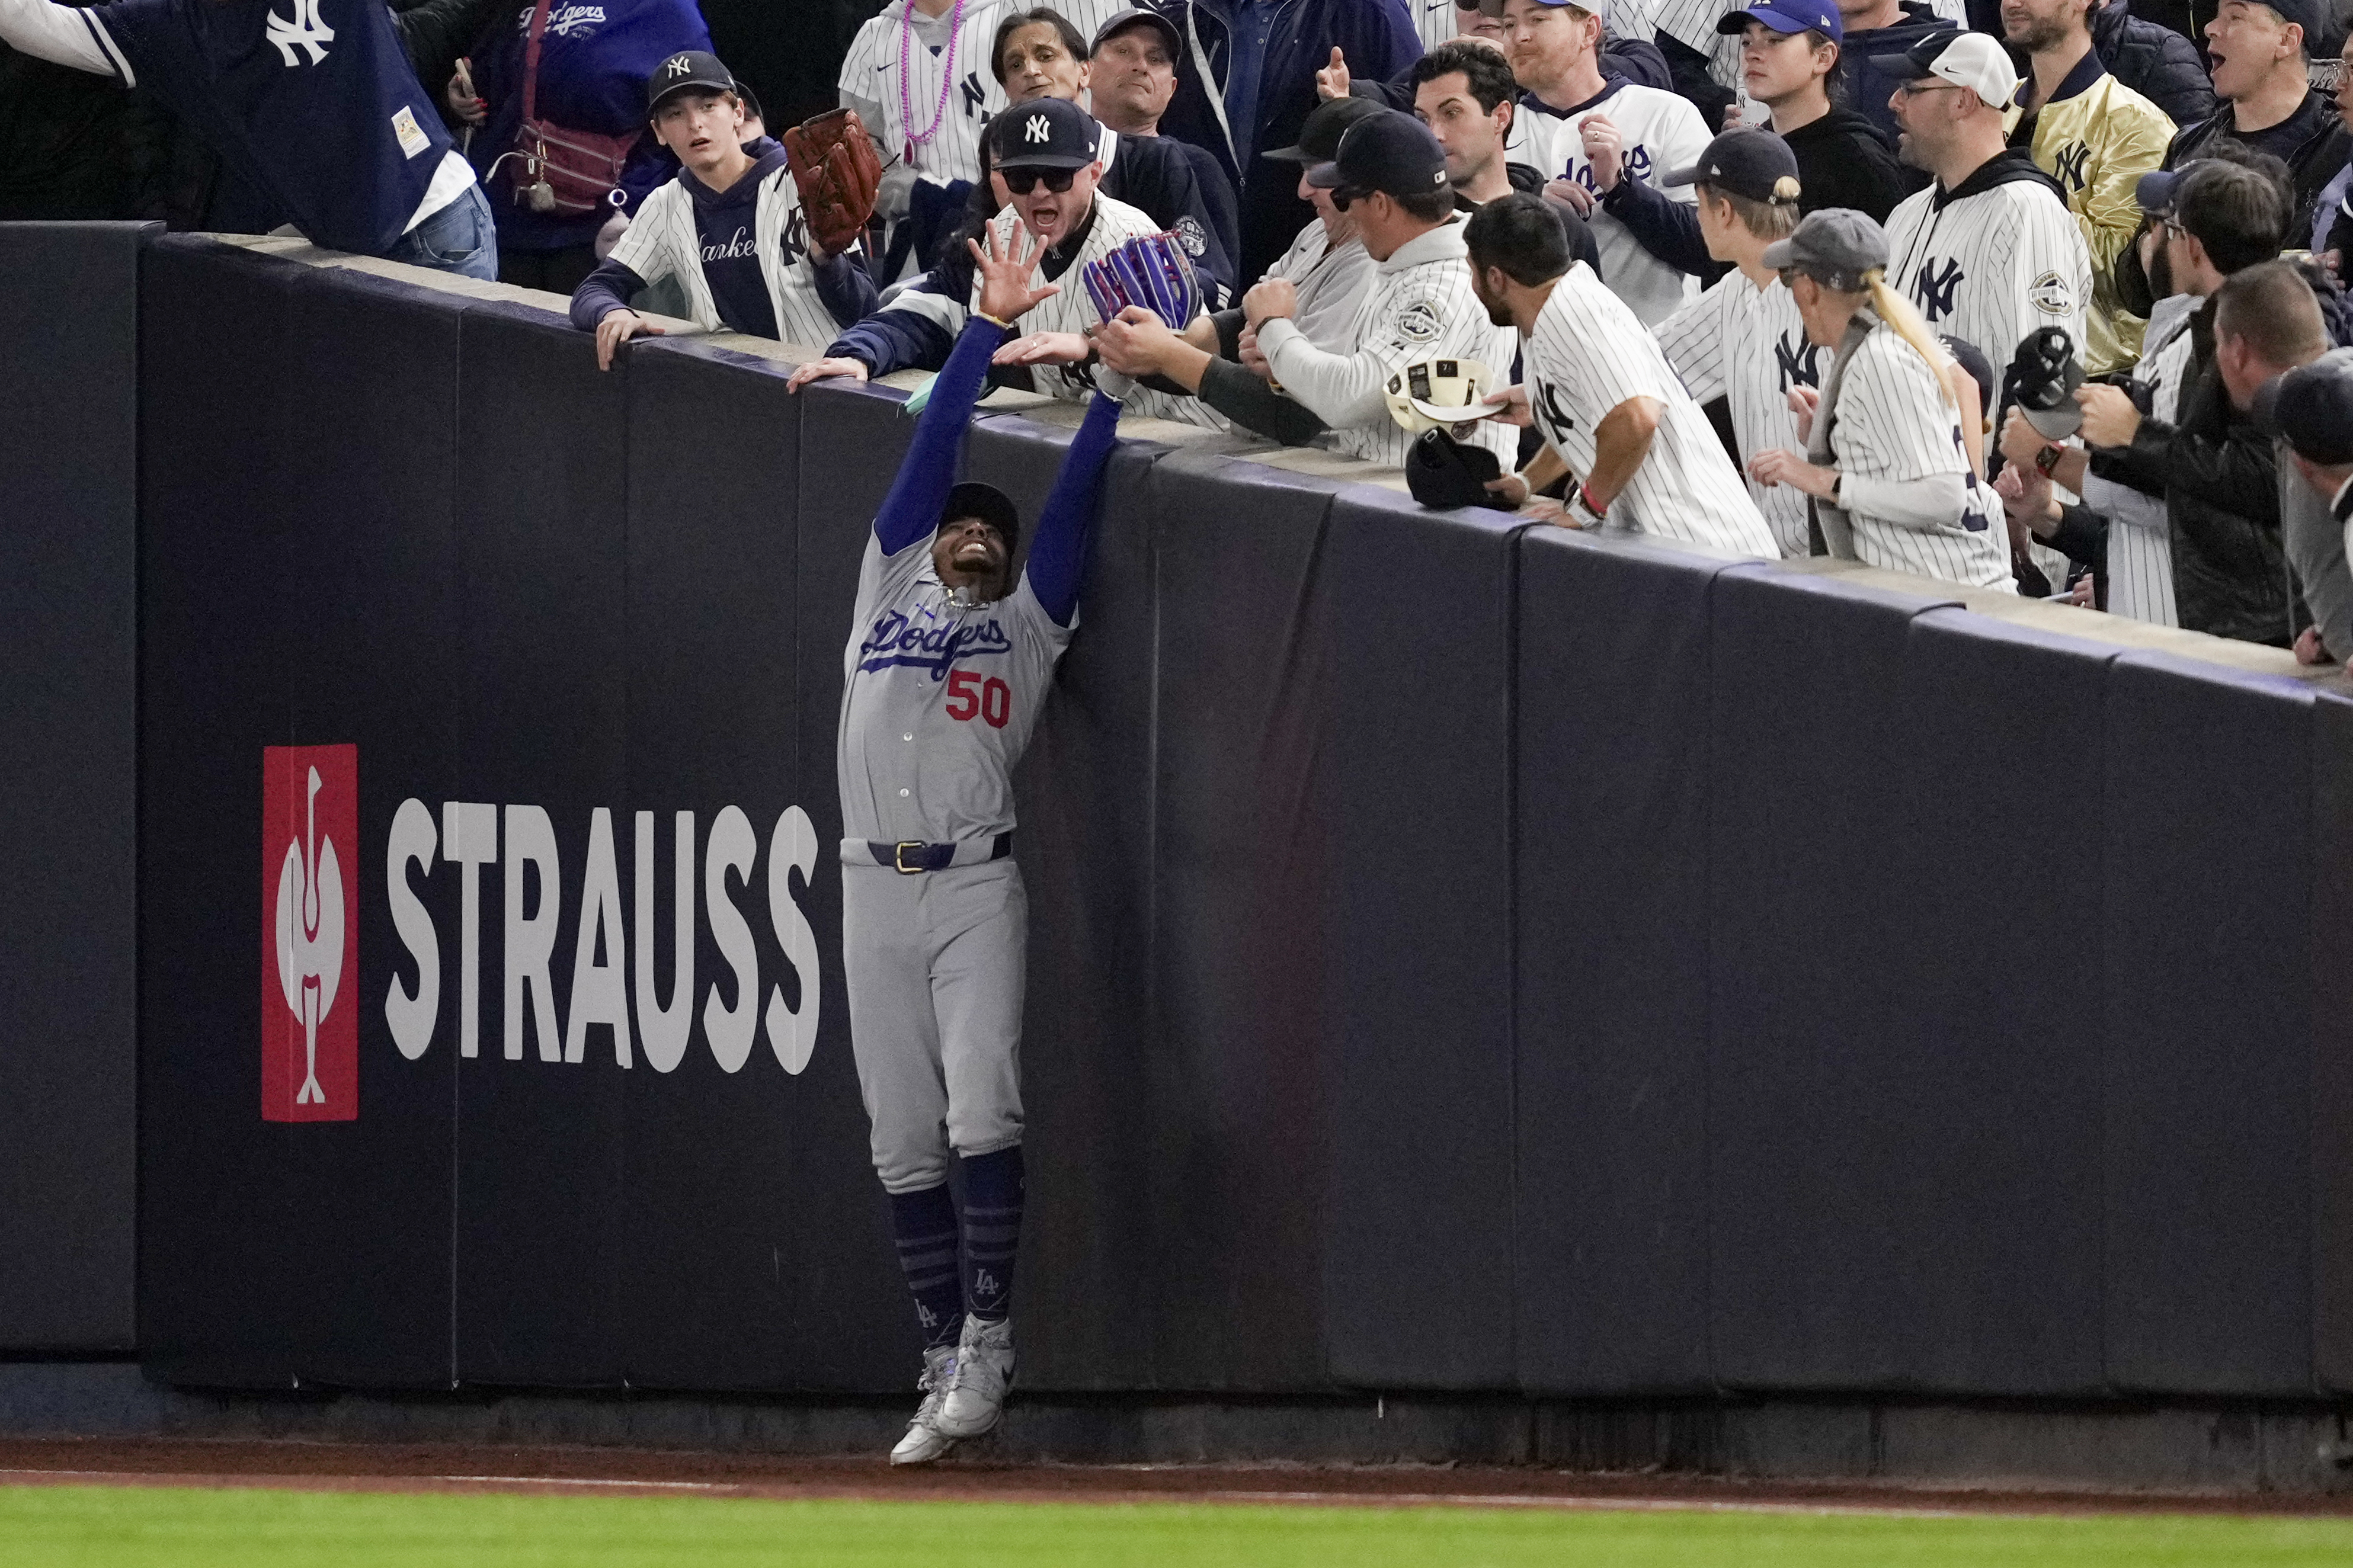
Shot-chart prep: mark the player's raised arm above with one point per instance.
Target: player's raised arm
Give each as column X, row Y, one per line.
column 911, row 513
column 1058, row 554
column 62, row 35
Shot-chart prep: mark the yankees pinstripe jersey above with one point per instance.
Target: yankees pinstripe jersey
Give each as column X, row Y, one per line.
column 663, row 243
column 1587, row 355
column 2140, row 545
column 1747, row 345
column 871, row 84
column 1891, row 424
column 1434, row 20
column 1994, row 259
column 1661, row 132
column 1419, row 306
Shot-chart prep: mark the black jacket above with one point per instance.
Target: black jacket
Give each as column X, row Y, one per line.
column 2220, row 478
column 2317, row 143
column 1845, row 160
column 2155, row 62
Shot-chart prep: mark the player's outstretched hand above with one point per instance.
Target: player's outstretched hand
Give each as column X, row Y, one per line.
column 1332, row 82
column 617, row 328
column 1514, row 402
column 1045, row 348
column 1006, row 268
column 822, row 368
column 1134, row 342
column 1572, row 195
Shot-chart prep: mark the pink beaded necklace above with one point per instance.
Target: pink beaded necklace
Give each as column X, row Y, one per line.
column 947, row 75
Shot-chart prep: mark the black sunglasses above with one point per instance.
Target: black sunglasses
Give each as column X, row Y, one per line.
column 1342, row 194
column 1021, row 181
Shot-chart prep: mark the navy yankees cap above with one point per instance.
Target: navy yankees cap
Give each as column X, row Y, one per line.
column 1121, row 21
column 1788, row 16
column 1834, row 247
column 1043, row 133
column 1757, row 164
column 1966, row 355
column 2311, row 408
column 695, row 70
column 1319, row 138
column 2309, row 15
column 1390, row 151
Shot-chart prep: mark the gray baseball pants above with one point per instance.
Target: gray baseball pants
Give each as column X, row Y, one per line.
column 937, row 965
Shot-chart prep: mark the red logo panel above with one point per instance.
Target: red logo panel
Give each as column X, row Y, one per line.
column 309, row 933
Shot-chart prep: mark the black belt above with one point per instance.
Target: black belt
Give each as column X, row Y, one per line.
column 910, row 855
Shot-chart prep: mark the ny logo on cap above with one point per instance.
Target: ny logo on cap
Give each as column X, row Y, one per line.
column 1037, row 130
column 679, row 67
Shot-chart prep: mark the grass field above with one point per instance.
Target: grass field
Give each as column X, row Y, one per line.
column 110, row 1526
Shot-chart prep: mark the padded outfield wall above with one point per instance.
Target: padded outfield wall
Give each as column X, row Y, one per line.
column 1466, row 957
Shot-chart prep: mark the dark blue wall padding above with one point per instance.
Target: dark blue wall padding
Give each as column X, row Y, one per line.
column 69, row 991
column 2211, row 1042
column 541, row 487
column 1421, row 1007
column 1609, row 872
column 1809, row 792
column 2332, row 1021
column 1989, row 1072
column 1243, row 819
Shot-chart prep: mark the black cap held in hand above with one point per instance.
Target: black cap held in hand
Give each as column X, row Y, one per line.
column 1391, row 152
column 1443, row 471
column 695, row 70
column 2042, row 380
column 1043, row 133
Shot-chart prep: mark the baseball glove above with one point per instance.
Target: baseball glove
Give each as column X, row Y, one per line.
column 838, row 176
column 1151, row 270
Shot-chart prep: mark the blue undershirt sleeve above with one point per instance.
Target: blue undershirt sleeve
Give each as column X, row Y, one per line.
column 608, row 289
column 1058, row 554
column 912, row 509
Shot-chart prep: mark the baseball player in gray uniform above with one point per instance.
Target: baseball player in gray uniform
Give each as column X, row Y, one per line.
column 948, row 662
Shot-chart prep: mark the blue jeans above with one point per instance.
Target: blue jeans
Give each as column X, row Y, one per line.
column 461, row 238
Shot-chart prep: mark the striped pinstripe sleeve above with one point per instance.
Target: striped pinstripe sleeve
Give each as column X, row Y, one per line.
column 1692, row 338
column 63, row 36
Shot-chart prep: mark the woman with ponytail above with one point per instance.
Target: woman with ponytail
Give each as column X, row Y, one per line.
column 1886, row 465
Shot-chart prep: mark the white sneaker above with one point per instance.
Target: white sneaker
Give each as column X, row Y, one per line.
column 924, row 1441
column 984, row 1369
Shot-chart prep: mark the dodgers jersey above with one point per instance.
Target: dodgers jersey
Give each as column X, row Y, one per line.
column 1663, row 132
column 316, row 105
column 939, row 701
column 1891, row 423
column 871, row 81
column 1587, row 355
column 1747, row 345
column 1997, row 258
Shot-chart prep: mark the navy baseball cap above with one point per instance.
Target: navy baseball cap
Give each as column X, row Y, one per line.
column 1390, row 151
column 1120, row 22
column 1319, row 138
column 2309, row 15
column 990, row 505
column 2311, row 408
column 1757, row 164
column 694, row 70
column 1043, row 133
column 2154, row 191
column 1788, row 16
column 1968, row 355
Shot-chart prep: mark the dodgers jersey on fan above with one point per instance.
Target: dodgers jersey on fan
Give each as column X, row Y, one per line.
column 316, row 105
column 1747, row 345
column 1587, row 355
column 1661, row 132
column 871, row 74
column 939, row 701
column 1997, row 258
column 1891, row 423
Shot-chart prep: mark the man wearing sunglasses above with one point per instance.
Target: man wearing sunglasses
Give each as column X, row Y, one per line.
column 1043, row 154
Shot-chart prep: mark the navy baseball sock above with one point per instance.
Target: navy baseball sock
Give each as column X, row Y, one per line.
column 924, row 1225
column 992, row 1229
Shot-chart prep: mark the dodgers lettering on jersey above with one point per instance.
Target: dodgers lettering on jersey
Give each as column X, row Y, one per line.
column 1891, row 424
column 1991, row 267
column 313, row 101
column 1748, row 346
column 871, row 73
column 938, row 702
column 1587, row 355
column 1661, row 132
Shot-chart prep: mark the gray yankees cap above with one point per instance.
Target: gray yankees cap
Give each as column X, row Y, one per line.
column 1834, row 247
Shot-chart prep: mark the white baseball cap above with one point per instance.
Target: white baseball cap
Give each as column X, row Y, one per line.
column 1973, row 60
column 1440, row 395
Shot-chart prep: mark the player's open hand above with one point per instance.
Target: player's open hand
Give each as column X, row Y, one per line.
column 823, row 369
column 1514, row 402
column 1332, row 82
column 1572, row 195
column 1271, row 298
column 617, row 328
column 1006, row 267
column 1134, row 343
column 1604, row 148
column 1045, row 348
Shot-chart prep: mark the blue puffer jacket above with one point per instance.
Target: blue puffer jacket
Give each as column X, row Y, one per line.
column 1377, row 38
column 2156, row 62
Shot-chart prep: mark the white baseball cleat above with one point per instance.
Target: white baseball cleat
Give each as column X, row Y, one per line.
column 924, row 1441
column 984, row 1369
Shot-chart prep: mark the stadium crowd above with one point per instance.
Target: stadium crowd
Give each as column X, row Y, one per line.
column 2030, row 295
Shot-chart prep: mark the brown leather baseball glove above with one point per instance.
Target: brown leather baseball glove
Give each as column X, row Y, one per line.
column 838, row 176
